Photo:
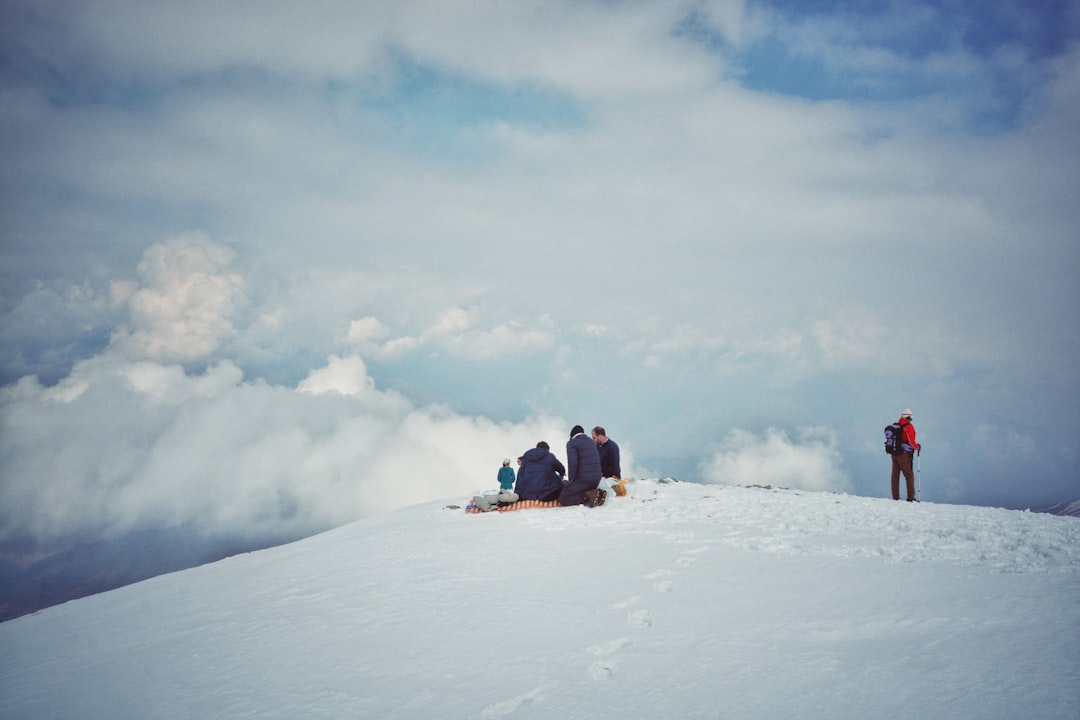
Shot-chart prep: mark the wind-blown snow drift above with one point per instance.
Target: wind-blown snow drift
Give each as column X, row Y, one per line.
column 682, row 600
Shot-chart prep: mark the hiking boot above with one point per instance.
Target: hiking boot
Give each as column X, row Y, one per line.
column 601, row 496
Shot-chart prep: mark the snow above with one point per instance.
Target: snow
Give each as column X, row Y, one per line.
column 681, row 600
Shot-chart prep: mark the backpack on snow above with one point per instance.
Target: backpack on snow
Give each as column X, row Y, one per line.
column 894, row 439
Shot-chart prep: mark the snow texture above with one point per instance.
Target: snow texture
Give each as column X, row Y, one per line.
column 681, row 600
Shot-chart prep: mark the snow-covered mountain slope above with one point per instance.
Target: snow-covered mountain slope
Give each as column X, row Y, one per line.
column 682, row 600
column 1067, row 508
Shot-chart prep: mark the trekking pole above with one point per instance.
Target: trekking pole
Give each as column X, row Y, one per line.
column 918, row 475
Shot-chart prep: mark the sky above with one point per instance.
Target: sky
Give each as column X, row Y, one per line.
column 271, row 268
column 731, row 601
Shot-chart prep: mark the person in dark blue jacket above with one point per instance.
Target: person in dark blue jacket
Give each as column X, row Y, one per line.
column 540, row 475
column 610, row 467
column 582, row 468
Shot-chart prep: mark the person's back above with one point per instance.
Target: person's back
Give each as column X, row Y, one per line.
column 582, row 468
column 540, row 474
column 901, row 461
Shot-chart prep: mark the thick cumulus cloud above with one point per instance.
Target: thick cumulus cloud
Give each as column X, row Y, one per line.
column 811, row 461
column 131, row 439
column 120, row 447
column 183, row 309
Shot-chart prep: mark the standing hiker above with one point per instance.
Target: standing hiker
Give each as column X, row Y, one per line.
column 506, row 476
column 901, row 460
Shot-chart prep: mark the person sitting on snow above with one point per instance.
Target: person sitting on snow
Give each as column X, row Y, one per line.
column 610, row 466
column 540, row 475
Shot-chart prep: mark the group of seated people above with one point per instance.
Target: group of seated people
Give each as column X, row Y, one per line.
column 541, row 476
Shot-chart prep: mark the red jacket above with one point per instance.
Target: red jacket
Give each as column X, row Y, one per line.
column 907, row 433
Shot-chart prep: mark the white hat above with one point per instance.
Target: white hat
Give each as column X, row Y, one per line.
column 506, row 461
column 906, row 413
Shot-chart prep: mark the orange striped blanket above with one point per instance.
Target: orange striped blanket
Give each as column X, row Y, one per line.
column 519, row 505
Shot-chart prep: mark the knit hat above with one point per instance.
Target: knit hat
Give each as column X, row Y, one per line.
column 906, row 413
column 506, row 461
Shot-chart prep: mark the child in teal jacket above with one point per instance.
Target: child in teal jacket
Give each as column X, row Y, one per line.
column 506, row 477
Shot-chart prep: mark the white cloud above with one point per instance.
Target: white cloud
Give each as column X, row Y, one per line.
column 1002, row 442
column 149, row 445
column 184, row 307
column 459, row 333
column 855, row 338
column 499, row 341
column 366, row 330
column 345, row 376
column 169, row 384
column 811, row 462
column 147, row 442
column 678, row 341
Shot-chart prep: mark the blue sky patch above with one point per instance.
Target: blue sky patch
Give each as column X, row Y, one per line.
column 817, row 51
column 445, row 113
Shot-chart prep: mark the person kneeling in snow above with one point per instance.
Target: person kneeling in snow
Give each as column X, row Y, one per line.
column 583, row 470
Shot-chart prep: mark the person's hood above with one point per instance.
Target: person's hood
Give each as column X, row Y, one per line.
column 536, row 454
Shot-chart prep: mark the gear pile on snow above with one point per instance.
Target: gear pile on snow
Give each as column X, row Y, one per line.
column 508, row 501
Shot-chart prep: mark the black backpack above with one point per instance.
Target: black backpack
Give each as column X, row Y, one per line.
column 894, row 439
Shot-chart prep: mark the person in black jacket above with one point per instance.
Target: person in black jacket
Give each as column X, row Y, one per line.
column 540, row 475
column 582, row 468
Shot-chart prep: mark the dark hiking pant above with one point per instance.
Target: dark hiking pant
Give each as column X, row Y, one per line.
column 902, row 464
column 574, row 493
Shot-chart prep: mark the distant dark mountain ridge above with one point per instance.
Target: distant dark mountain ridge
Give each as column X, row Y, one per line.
column 97, row 567
column 1065, row 508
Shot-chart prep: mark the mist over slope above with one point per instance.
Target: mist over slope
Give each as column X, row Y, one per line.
column 682, row 600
